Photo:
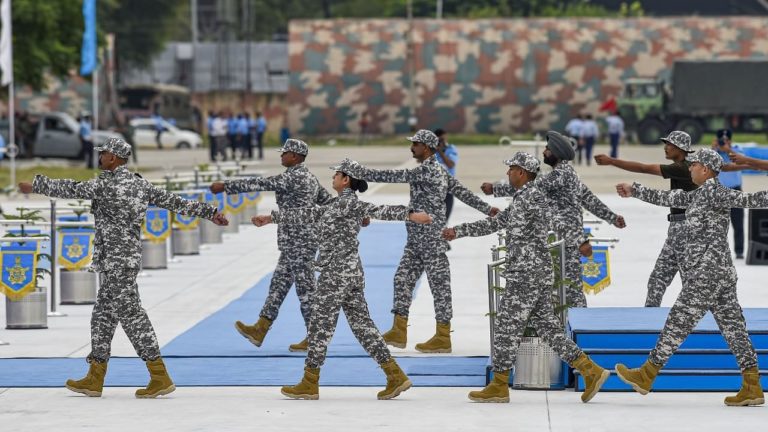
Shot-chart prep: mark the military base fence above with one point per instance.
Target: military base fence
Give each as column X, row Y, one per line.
column 31, row 308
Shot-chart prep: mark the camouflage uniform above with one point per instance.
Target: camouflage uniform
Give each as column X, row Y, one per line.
column 341, row 281
column 566, row 195
column 528, row 273
column 119, row 202
column 672, row 253
column 425, row 248
column 710, row 276
column 294, row 188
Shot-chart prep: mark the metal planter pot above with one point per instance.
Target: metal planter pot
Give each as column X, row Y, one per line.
column 210, row 233
column 249, row 212
column 31, row 312
column 153, row 255
column 78, row 287
column 186, row 242
column 538, row 366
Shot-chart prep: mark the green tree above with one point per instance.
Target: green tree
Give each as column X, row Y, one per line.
column 47, row 36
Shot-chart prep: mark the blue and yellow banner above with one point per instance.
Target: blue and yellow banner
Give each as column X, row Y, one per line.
column 216, row 200
column 75, row 248
column 19, row 261
column 184, row 222
column 252, row 197
column 235, row 203
column 596, row 270
column 157, row 224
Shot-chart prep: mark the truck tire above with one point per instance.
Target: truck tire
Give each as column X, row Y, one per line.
column 692, row 127
column 650, row 130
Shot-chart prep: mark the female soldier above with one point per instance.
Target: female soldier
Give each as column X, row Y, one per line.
column 341, row 281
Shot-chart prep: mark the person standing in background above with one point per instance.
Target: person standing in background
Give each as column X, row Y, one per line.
column 211, row 139
column 261, row 127
column 615, row 132
column 448, row 156
column 731, row 179
column 158, row 129
column 232, row 133
column 244, row 136
column 86, row 139
column 589, row 134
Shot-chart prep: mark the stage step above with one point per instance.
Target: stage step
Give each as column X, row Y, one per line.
column 684, row 380
column 683, row 359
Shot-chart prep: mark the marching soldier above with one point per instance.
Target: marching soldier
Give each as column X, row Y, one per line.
column 709, row 282
column 296, row 187
column 119, row 203
column 566, row 195
column 529, row 278
column 677, row 146
column 425, row 248
column 341, row 281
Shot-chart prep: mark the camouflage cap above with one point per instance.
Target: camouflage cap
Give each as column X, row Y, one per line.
column 116, row 146
column 709, row 158
column 426, row 137
column 525, row 161
column 560, row 146
column 344, row 166
column 680, row 140
column 294, row 145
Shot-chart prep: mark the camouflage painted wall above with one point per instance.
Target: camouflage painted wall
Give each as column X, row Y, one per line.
column 490, row 75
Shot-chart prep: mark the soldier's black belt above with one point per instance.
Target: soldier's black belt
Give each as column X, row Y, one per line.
column 676, row 217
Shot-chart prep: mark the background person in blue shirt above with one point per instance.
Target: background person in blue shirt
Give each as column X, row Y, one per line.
column 448, row 156
column 244, row 136
column 86, row 138
column 261, row 128
column 731, row 179
column 159, row 128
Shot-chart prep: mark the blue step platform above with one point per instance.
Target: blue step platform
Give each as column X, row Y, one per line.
column 626, row 335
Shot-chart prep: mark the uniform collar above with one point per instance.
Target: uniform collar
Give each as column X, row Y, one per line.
column 297, row 167
column 430, row 160
column 348, row 192
column 121, row 170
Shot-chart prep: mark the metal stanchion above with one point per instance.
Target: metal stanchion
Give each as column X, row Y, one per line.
column 53, row 312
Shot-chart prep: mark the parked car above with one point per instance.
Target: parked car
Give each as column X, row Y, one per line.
column 145, row 132
column 54, row 134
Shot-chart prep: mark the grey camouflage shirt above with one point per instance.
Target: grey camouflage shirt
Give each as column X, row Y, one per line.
column 526, row 223
column 338, row 224
column 429, row 185
column 707, row 217
column 296, row 187
column 566, row 195
column 119, row 202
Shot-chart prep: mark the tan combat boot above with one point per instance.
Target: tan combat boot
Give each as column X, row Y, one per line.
column 159, row 381
column 397, row 336
column 307, row 388
column 440, row 342
column 397, row 380
column 641, row 379
column 594, row 376
column 254, row 333
column 751, row 392
column 93, row 382
column 496, row 391
column 299, row 347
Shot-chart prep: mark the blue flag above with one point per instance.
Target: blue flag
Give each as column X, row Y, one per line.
column 88, row 51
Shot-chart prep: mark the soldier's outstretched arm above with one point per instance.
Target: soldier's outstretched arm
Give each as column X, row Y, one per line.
column 323, row 196
column 467, row 196
column 253, row 184
column 64, row 188
column 483, row 227
column 361, row 209
column 664, row 198
column 298, row 216
column 594, row 205
column 631, row 166
column 741, row 160
column 362, row 172
column 503, row 190
column 171, row 201
column 728, row 198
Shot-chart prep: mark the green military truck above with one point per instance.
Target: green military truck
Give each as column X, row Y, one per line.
column 701, row 96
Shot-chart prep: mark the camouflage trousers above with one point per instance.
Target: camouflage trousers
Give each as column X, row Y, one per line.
column 291, row 267
column 336, row 292
column 118, row 302
column 412, row 265
column 527, row 301
column 700, row 294
column 574, row 291
column 667, row 264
